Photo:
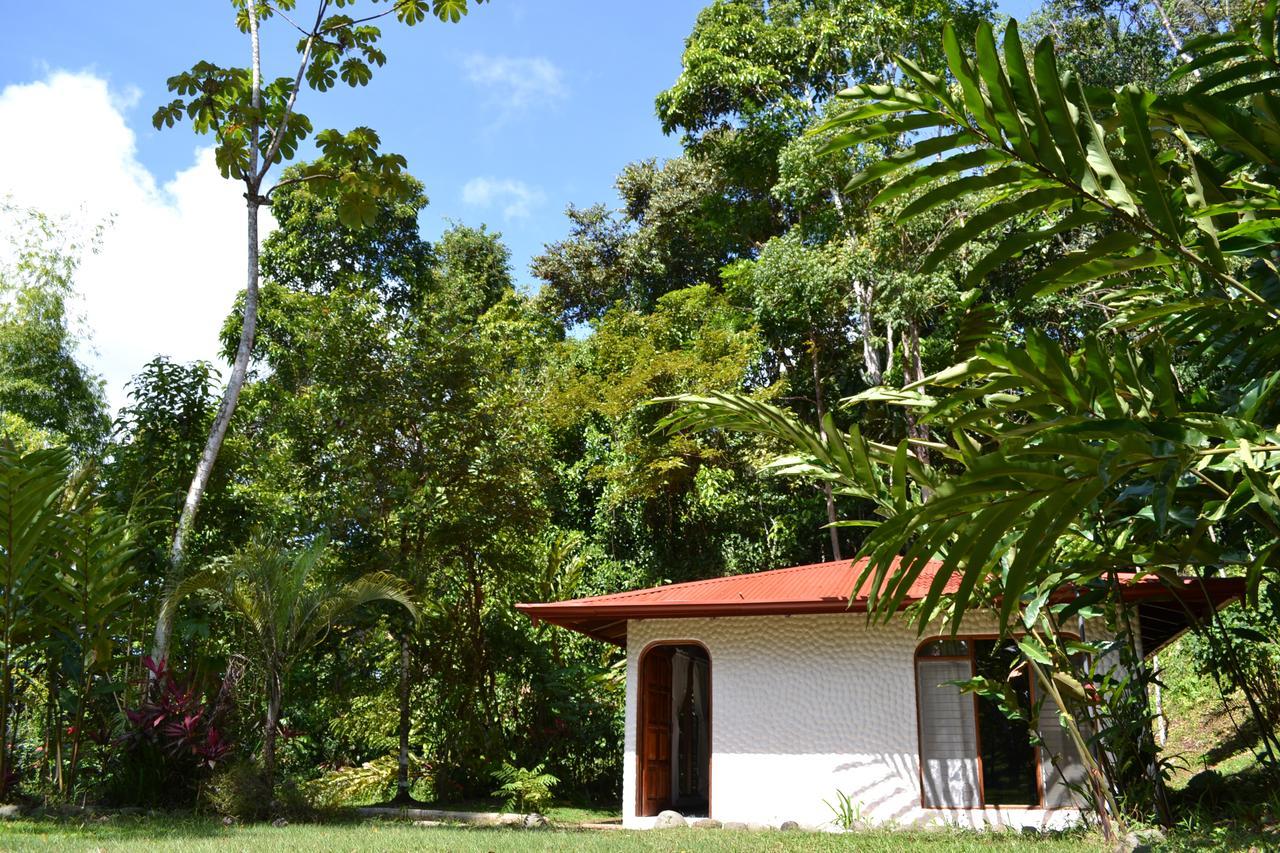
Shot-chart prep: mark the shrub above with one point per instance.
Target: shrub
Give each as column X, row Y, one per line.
column 524, row 789
column 171, row 741
column 369, row 782
column 238, row 791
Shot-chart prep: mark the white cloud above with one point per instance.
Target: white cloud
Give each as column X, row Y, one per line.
column 173, row 257
column 515, row 85
column 515, row 198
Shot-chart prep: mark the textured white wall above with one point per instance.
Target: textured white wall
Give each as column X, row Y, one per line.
column 804, row 706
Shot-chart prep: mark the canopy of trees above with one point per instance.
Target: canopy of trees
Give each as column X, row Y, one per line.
column 913, row 287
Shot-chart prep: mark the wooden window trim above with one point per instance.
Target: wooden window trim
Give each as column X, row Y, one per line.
column 972, row 658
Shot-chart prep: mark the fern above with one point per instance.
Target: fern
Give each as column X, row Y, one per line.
column 524, row 789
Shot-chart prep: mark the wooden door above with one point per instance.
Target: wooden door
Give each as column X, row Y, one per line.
column 655, row 731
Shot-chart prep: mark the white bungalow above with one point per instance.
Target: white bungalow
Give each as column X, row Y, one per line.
column 763, row 698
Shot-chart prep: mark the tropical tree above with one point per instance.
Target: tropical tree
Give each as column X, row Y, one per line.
column 256, row 126
column 47, row 394
column 285, row 611
column 30, row 488
column 66, row 578
column 1072, row 458
column 84, row 599
column 1181, row 190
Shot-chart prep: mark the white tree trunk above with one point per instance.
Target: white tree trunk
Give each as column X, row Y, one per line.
column 239, row 368
column 200, row 482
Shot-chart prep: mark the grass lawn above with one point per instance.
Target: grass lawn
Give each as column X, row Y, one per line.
column 195, row 834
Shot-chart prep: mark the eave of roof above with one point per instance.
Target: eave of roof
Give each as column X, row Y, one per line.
column 813, row 589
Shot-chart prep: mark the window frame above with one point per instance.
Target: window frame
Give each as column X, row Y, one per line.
column 971, row 657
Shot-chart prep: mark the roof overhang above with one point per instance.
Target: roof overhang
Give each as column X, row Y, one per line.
column 610, row 623
column 1165, row 611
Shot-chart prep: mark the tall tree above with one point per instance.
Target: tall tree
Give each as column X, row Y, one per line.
column 1071, row 462
column 395, row 416
column 256, row 126
column 47, row 395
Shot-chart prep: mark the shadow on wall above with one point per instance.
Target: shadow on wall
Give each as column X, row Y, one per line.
column 881, row 785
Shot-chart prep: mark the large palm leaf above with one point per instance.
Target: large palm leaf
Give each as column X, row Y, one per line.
column 284, row 609
column 854, row 465
column 31, row 486
column 1181, row 186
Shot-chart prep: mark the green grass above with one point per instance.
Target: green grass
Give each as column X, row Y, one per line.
column 194, row 834
column 560, row 813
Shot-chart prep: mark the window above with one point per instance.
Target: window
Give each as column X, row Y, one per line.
column 971, row 755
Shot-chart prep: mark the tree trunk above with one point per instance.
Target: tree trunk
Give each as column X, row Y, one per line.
column 1174, row 41
column 913, row 371
column 403, row 795
column 826, row 487
column 888, row 348
column 275, row 690
column 871, row 365
column 6, row 697
column 239, row 368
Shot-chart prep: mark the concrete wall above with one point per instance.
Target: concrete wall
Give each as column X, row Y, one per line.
column 803, row 707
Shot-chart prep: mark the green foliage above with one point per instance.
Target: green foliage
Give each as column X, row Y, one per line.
column 156, row 442
column 1110, row 418
column 285, row 608
column 255, row 123
column 524, row 789
column 285, row 611
column 238, row 791
column 1146, row 173
column 745, row 57
column 366, row 783
column 1069, row 459
column 66, row 585
column 846, row 812
column 681, row 221
column 1251, row 638
column 853, row 465
column 47, row 395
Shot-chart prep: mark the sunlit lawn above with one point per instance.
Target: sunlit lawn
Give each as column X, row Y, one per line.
column 194, row 834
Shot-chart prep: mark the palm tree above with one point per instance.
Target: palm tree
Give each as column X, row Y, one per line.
column 30, row 488
column 285, row 613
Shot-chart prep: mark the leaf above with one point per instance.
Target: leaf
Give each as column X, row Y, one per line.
column 355, row 72
column 970, row 230
column 1068, row 685
column 1015, row 244
column 919, row 151
column 1034, row 650
column 1078, row 266
column 953, row 190
column 1131, row 105
column 956, row 164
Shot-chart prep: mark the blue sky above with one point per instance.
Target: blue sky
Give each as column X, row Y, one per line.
column 551, row 98
column 520, row 109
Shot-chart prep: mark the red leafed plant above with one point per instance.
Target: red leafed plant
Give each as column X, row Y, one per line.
column 174, row 718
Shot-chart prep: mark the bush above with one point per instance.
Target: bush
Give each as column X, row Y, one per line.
column 524, row 789
column 170, row 743
column 238, row 791
column 369, row 782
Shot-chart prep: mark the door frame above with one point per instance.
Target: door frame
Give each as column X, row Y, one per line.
column 640, row 718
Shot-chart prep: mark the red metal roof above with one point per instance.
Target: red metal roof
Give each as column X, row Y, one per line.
column 816, row 588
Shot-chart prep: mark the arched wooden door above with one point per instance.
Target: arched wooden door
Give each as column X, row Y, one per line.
column 655, row 730
column 673, row 727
